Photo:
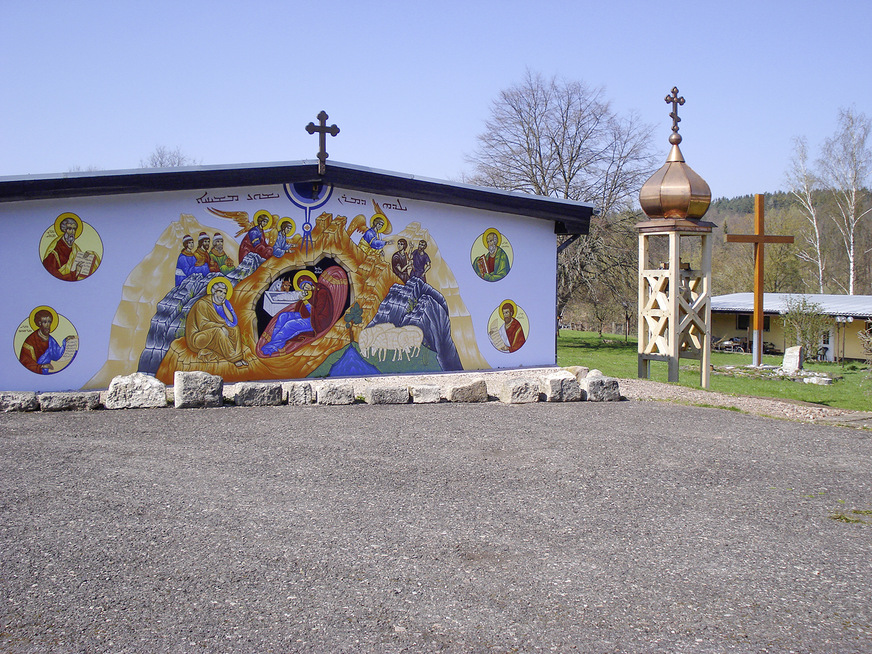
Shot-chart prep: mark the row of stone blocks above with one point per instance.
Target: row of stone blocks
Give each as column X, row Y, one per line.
column 200, row 389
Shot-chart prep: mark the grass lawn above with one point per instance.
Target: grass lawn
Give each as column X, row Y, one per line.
column 617, row 358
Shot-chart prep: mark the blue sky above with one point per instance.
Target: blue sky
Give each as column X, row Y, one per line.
column 410, row 84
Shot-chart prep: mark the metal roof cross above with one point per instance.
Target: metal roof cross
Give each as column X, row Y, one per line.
column 676, row 102
column 323, row 131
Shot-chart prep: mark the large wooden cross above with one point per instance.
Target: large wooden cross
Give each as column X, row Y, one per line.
column 758, row 238
column 323, row 131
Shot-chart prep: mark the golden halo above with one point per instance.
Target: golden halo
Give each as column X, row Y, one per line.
column 223, row 280
column 300, row 276
column 511, row 304
column 287, row 221
column 269, row 217
column 387, row 226
column 62, row 218
column 54, row 318
column 492, row 230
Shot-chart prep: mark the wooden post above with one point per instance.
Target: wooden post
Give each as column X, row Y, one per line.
column 642, row 328
column 672, row 333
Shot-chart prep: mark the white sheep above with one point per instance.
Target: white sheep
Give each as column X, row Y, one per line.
column 367, row 337
column 379, row 339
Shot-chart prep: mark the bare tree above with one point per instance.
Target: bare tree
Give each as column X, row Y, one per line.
column 804, row 186
column 845, row 165
column 562, row 139
column 164, row 157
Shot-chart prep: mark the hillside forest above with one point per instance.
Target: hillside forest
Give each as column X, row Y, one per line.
column 789, row 268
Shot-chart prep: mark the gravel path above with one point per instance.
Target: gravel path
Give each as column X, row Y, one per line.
column 643, row 389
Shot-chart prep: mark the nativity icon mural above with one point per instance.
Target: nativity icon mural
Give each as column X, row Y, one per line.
column 338, row 299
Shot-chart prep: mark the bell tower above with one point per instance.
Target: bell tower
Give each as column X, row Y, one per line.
column 675, row 299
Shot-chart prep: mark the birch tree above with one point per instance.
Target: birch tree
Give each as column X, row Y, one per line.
column 845, row 164
column 804, row 185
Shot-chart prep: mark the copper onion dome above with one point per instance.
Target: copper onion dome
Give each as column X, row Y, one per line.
column 675, row 191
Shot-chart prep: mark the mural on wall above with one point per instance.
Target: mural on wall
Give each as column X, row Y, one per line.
column 491, row 255
column 70, row 249
column 45, row 342
column 271, row 282
column 337, row 298
column 508, row 327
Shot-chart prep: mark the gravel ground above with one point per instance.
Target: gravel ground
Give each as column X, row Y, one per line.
column 596, row 527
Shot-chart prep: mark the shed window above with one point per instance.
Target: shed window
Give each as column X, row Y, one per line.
column 743, row 322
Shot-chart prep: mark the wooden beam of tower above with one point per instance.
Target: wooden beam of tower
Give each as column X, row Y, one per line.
column 759, row 238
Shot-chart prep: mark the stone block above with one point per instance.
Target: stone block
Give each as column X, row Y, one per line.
column 228, row 393
column 136, row 391
column 258, row 394
column 598, row 388
column 518, row 390
column 297, row 393
column 792, row 362
column 197, row 389
column 18, row 401
column 334, row 393
column 561, row 386
column 474, row 391
column 375, row 394
column 426, row 394
column 820, row 381
column 71, row 401
column 580, row 372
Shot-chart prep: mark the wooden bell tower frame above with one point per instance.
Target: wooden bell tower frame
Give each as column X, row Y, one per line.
column 675, row 300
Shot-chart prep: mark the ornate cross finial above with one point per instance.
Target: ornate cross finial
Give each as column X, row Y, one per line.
column 323, row 131
column 676, row 102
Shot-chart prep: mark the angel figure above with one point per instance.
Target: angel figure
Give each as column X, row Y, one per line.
column 261, row 232
column 373, row 236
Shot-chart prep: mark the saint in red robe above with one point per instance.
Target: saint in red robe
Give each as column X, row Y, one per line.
column 514, row 335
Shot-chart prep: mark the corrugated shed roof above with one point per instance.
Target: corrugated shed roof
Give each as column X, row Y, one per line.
column 858, row 306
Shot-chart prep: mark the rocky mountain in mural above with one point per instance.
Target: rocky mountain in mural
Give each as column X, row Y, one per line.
column 419, row 304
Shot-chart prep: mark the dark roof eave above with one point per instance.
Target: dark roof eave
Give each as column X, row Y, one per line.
column 861, row 315
column 568, row 217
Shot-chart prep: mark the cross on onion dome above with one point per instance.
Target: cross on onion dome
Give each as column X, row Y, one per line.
column 676, row 102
